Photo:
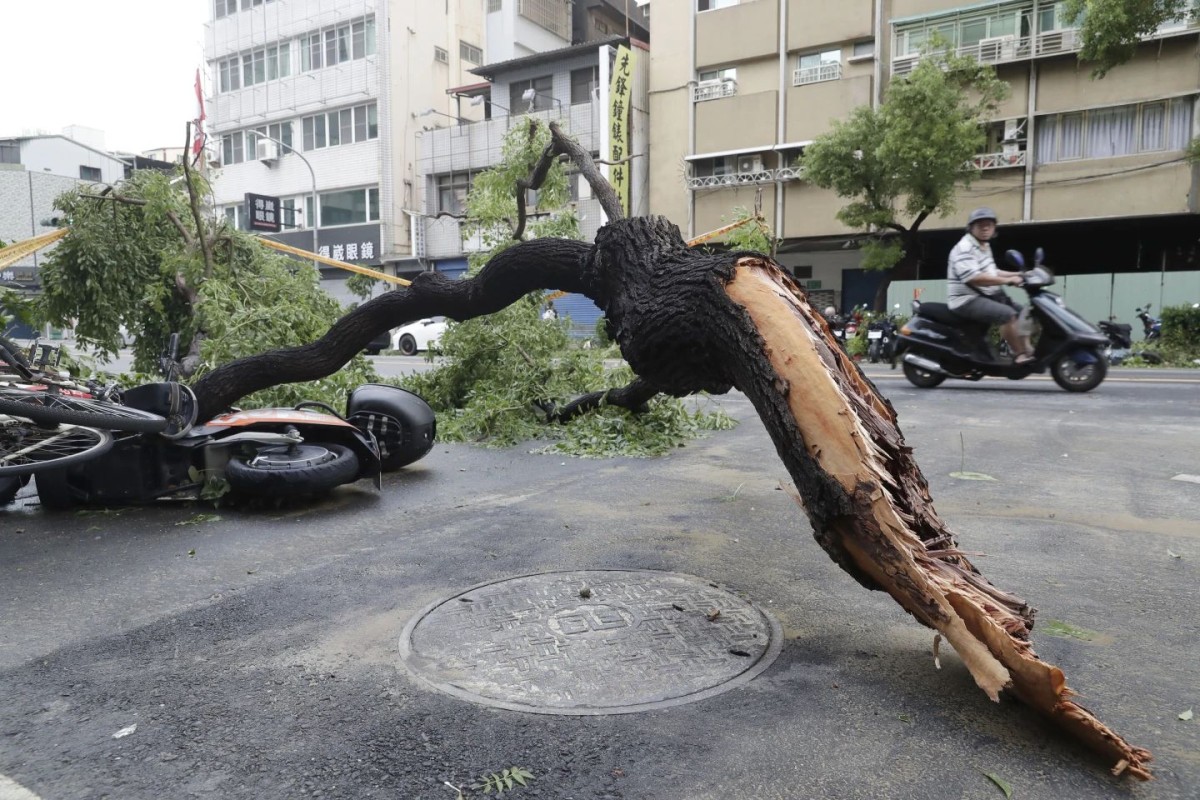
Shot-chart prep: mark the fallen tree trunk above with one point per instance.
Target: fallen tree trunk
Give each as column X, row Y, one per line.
column 687, row 321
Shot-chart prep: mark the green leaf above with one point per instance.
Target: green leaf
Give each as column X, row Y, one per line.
column 1055, row 627
column 972, row 476
column 1003, row 784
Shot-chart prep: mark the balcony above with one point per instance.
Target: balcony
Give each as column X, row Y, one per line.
column 744, row 178
column 714, row 90
column 817, row 74
column 986, row 161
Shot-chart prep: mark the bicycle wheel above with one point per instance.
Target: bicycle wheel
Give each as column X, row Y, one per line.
column 50, row 408
column 26, row 448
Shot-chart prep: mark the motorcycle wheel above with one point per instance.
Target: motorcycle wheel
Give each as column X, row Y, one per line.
column 922, row 379
column 292, row 470
column 873, row 352
column 1078, row 377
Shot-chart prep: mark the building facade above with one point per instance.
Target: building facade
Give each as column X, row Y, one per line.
column 316, row 102
column 1091, row 169
column 571, row 86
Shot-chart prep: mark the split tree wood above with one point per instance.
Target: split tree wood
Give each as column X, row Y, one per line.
column 689, row 321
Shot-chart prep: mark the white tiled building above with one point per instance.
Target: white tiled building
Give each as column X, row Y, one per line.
column 342, row 84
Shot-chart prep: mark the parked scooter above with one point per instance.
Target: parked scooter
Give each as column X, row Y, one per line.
column 1120, row 337
column 881, row 338
column 936, row 343
column 266, row 452
column 1151, row 326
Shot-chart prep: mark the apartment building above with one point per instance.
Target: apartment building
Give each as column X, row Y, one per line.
column 1090, row 169
column 316, row 103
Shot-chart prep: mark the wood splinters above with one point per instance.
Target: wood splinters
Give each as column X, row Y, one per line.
column 1120, row 767
column 937, row 643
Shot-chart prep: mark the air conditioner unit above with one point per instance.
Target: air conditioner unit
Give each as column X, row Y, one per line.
column 266, row 151
column 997, row 48
column 749, row 164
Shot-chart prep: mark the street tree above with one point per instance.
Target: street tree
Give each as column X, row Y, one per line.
column 143, row 255
column 688, row 321
column 1112, row 29
column 902, row 162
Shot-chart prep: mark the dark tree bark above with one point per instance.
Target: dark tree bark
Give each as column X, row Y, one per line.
column 687, row 321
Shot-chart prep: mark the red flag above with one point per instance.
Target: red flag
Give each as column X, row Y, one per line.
column 198, row 141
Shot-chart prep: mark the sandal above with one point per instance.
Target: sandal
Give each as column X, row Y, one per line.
column 1023, row 358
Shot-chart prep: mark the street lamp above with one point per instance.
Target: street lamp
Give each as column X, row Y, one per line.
column 480, row 99
column 312, row 174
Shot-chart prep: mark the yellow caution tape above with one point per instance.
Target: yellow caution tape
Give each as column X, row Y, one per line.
column 333, row 262
column 18, row 250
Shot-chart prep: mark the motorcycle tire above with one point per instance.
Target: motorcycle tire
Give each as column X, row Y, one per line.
column 873, row 352
column 408, row 345
column 54, row 490
column 1075, row 377
column 922, row 379
column 9, row 486
column 292, row 470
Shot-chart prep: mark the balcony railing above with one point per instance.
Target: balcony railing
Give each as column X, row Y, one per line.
column 713, row 90
column 553, row 15
column 997, row 160
column 821, row 72
column 1000, row 49
column 745, row 178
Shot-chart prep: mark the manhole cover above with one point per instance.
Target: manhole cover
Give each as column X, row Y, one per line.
column 632, row 640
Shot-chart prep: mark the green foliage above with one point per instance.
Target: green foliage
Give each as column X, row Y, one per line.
column 1112, row 29
column 1181, row 326
column 903, row 161
column 495, row 372
column 122, row 264
column 754, row 236
column 1192, row 154
column 360, row 285
column 504, row 781
column 882, row 253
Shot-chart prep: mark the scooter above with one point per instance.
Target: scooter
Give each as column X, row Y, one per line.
column 936, row 343
column 881, row 339
column 264, row 453
column 1151, row 326
column 1120, row 337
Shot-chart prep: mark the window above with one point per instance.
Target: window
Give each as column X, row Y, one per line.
column 469, row 52
column 583, row 83
column 248, row 4
column 345, row 126
column 229, row 74
column 814, row 67
column 232, row 148
column 1115, row 131
column 279, row 61
column 724, row 74
column 710, row 5
column 441, row 54
column 237, row 218
column 224, row 8
column 337, row 44
column 10, row 153
column 452, row 192
column 863, row 49
column 542, row 100
column 349, row 207
column 493, row 6
column 966, row 30
column 278, row 132
column 1053, row 18
column 89, row 173
column 254, row 68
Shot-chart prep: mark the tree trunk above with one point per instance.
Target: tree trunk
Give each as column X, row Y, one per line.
column 687, row 321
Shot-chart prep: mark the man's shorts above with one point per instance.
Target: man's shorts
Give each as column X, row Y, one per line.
column 994, row 310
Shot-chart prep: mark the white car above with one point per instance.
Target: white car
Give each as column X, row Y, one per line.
column 417, row 336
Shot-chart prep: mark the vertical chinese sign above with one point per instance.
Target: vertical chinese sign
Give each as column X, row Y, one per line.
column 618, row 121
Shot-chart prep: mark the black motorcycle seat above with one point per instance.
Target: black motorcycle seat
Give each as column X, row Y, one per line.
column 1119, row 327
column 940, row 312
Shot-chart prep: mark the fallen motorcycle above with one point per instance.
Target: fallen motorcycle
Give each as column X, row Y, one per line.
column 263, row 453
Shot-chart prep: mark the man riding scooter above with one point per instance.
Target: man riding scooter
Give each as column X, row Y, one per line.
column 974, row 284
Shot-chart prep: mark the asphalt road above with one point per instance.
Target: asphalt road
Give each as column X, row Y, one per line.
column 257, row 653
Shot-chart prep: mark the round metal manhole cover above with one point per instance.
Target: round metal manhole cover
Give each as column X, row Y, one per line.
column 591, row 642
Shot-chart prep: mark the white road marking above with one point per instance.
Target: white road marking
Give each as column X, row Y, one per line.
column 11, row 790
column 1188, row 478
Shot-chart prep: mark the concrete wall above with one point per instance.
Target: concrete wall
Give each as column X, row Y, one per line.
column 27, row 198
column 1161, row 69
column 726, row 36
column 1075, row 190
column 715, row 207
column 813, row 107
column 815, row 23
column 61, row 156
column 731, row 123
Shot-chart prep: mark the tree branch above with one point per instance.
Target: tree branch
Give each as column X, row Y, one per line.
column 632, row 397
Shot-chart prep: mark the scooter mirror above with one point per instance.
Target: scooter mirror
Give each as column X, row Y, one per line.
column 1039, row 256
column 1014, row 258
